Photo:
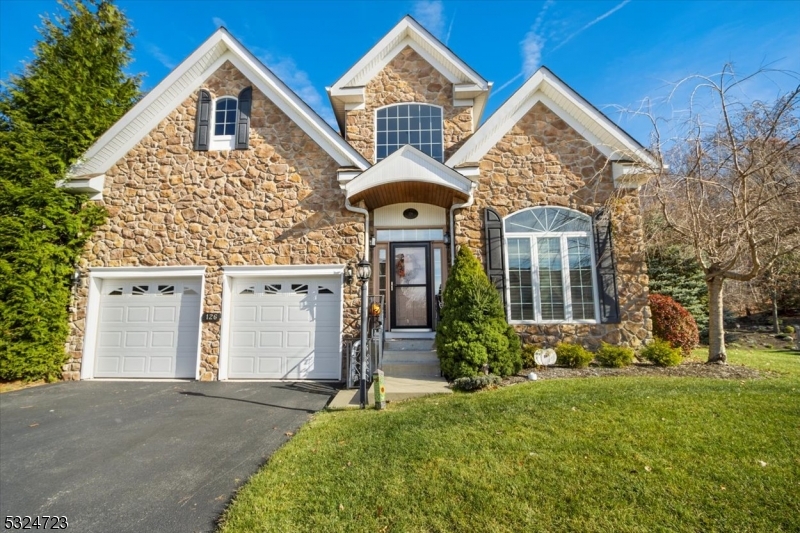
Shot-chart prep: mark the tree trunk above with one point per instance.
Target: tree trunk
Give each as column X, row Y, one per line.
column 716, row 326
column 775, row 311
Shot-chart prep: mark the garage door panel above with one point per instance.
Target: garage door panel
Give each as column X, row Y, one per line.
column 136, row 339
column 295, row 326
column 272, row 313
column 164, row 314
column 148, row 328
column 245, row 313
column 112, row 314
column 270, row 339
column 243, row 339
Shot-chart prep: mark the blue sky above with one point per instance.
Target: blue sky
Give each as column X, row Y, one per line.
column 614, row 53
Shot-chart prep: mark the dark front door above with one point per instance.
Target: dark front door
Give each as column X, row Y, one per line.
column 410, row 285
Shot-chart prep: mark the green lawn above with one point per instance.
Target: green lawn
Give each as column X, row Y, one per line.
column 602, row 454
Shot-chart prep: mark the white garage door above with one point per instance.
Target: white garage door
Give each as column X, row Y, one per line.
column 148, row 328
column 285, row 328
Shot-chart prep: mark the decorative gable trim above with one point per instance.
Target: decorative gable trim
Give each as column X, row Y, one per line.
column 470, row 88
column 572, row 108
column 186, row 79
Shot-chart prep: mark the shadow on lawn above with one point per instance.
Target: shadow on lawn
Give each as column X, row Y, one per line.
column 200, row 394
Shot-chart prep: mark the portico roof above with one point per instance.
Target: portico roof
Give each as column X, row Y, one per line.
column 408, row 175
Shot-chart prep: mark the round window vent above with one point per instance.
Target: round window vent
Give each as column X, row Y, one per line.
column 411, row 214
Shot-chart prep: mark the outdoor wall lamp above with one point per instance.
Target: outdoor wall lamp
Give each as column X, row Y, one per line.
column 446, row 238
column 348, row 275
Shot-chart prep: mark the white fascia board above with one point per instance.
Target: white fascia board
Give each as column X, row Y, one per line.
column 629, row 175
column 146, row 272
column 344, row 176
column 92, row 186
column 250, row 271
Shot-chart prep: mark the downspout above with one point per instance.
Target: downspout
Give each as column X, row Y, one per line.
column 453, row 207
column 354, row 209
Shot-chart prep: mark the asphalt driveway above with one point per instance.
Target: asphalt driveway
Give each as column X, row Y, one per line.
column 142, row 456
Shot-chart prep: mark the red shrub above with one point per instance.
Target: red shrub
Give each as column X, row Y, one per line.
column 673, row 323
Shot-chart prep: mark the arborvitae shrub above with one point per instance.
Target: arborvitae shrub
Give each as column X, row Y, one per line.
column 476, row 382
column 673, row 323
column 614, row 356
column 661, row 353
column 473, row 331
column 573, row 355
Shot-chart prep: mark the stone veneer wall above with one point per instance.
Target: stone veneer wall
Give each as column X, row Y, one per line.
column 543, row 161
column 277, row 203
column 407, row 78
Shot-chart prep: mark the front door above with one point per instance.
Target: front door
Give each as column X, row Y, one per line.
column 410, row 286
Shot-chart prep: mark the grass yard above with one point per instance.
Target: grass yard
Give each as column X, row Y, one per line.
column 599, row 454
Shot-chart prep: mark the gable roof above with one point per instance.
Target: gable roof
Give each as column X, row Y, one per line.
column 572, row 108
column 185, row 79
column 349, row 89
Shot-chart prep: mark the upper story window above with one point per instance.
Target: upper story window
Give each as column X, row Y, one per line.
column 223, row 124
column 419, row 125
column 551, row 275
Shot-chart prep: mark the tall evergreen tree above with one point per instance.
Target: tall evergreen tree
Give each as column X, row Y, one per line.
column 74, row 89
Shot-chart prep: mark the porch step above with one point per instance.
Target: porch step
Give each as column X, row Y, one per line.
column 411, row 363
column 402, row 345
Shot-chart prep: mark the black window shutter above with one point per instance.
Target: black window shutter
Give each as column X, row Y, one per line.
column 493, row 228
column 606, row 269
column 243, row 119
column 202, row 129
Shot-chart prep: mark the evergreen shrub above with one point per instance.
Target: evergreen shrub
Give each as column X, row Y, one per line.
column 473, row 383
column 661, row 353
column 673, row 323
column 614, row 356
column 473, row 331
column 573, row 355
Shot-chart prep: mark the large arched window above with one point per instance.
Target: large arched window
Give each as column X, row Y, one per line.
column 551, row 275
column 419, row 125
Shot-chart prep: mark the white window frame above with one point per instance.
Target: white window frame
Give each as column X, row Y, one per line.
column 375, row 128
column 222, row 142
column 534, row 247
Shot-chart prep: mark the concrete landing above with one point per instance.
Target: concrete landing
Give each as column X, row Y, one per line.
column 397, row 388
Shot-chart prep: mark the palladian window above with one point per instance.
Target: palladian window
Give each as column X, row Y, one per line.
column 419, row 125
column 551, row 274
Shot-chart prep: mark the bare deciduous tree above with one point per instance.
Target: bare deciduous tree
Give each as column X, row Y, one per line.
column 730, row 190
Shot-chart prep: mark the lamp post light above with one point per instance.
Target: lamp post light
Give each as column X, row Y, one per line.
column 364, row 271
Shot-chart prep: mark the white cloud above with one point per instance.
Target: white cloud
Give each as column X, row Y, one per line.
column 533, row 43
column 218, row 22
column 162, row 58
column 286, row 69
column 592, row 23
column 430, row 13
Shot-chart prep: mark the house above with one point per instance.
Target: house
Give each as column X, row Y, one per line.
column 234, row 212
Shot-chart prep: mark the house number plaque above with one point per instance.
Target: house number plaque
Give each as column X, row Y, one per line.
column 211, row 317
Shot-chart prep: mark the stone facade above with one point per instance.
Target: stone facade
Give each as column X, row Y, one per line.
column 408, row 78
column 277, row 203
column 543, row 161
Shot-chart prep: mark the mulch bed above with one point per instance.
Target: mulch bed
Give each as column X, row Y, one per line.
column 687, row 369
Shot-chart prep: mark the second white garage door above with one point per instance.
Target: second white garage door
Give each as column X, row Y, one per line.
column 285, row 328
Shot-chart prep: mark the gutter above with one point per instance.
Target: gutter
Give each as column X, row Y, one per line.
column 453, row 207
column 354, row 209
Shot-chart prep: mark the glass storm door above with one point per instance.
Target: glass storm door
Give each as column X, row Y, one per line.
column 410, row 285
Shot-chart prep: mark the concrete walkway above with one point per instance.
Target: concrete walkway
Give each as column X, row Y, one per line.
column 397, row 388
